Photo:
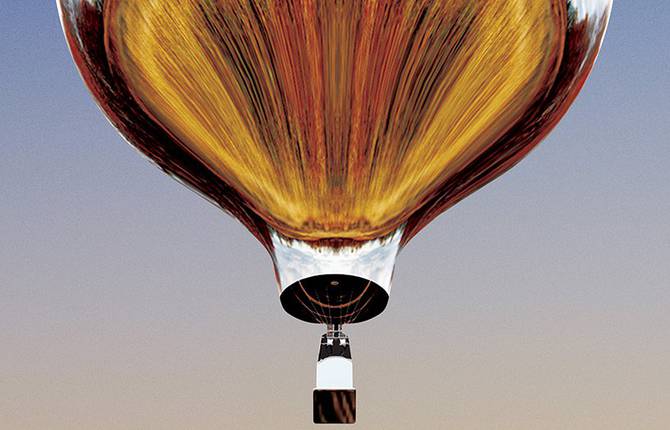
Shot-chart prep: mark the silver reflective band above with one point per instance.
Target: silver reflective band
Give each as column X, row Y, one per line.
column 373, row 260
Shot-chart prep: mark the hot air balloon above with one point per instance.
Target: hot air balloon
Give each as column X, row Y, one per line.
column 334, row 130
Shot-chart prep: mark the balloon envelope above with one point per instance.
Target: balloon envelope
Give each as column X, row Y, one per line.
column 335, row 120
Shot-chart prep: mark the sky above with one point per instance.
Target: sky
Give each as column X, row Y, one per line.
column 541, row 301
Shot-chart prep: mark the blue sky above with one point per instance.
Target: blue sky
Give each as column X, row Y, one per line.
column 539, row 301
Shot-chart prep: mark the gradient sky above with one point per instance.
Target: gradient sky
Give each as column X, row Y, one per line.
column 541, row 301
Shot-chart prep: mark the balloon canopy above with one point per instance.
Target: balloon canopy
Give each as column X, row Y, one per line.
column 335, row 121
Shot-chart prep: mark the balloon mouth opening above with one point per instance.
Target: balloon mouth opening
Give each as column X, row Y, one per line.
column 334, row 299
